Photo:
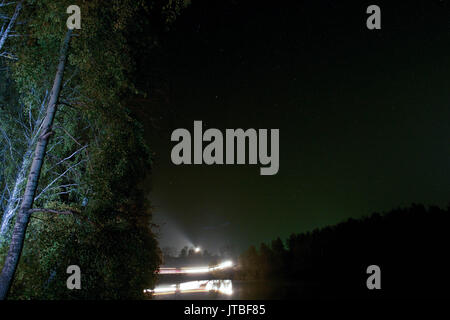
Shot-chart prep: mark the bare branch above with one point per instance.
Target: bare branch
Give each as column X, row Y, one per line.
column 62, row 128
column 8, row 55
column 73, row 213
column 11, row 148
column 70, row 212
column 8, row 29
column 70, row 78
column 3, row 4
column 57, row 178
column 64, row 186
column 58, row 142
column 5, row 189
column 64, row 192
column 67, row 158
column 73, row 154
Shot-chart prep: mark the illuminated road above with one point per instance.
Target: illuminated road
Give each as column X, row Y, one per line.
column 202, row 283
column 198, row 286
column 188, row 270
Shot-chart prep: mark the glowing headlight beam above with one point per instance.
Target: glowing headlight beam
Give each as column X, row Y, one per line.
column 202, row 269
column 220, row 286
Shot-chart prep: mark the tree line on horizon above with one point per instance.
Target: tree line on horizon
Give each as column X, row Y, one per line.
column 409, row 245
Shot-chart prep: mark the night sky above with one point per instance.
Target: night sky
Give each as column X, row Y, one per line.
column 363, row 116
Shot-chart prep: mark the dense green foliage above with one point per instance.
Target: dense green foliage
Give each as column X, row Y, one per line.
column 97, row 159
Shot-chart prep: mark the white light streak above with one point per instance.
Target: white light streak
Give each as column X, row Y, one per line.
column 201, row 269
column 220, row 286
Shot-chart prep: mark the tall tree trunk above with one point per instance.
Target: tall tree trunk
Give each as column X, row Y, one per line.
column 8, row 29
column 23, row 216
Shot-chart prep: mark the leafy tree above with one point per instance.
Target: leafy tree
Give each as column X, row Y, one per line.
column 249, row 264
column 97, row 159
column 15, row 248
column 183, row 252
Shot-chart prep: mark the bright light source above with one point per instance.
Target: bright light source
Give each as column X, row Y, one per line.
column 225, row 264
column 196, row 270
column 197, row 249
column 199, row 286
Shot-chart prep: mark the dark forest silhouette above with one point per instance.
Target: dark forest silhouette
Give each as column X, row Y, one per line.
column 410, row 245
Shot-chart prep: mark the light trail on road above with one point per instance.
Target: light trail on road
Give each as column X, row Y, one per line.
column 220, row 286
column 202, row 269
column 199, row 286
